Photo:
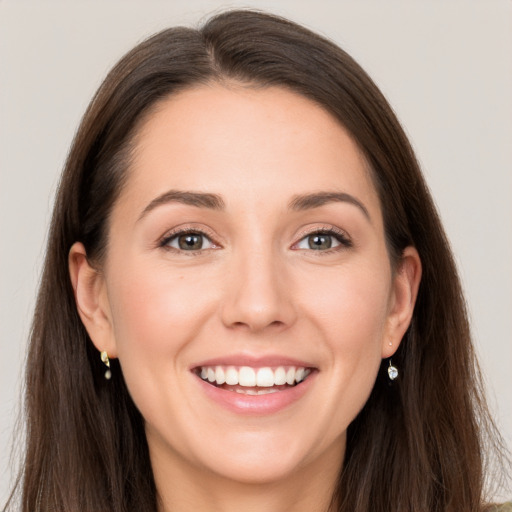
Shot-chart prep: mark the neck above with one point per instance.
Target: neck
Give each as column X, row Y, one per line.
column 307, row 489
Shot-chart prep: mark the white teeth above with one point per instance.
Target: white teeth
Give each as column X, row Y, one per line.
column 231, row 376
column 247, row 391
column 219, row 375
column 280, row 376
column 248, row 377
column 265, row 378
column 254, row 392
column 290, row 376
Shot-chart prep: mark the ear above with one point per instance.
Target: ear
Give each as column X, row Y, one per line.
column 406, row 282
column 92, row 300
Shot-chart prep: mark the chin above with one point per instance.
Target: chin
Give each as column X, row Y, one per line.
column 262, row 471
column 263, row 458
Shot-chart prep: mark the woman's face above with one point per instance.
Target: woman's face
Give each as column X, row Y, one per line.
column 247, row 247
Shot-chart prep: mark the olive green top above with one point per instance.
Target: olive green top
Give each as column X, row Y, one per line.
column 506, row 507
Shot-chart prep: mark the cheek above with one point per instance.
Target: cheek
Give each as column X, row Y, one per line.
column 352, row 306
column 157, row 310
column 352, row 315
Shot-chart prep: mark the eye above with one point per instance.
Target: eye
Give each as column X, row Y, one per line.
column 323, row 241
column 188, row 241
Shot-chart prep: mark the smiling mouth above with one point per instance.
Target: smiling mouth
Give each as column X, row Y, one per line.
column 253, row 381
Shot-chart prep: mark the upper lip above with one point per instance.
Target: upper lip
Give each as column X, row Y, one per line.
column 254, row 361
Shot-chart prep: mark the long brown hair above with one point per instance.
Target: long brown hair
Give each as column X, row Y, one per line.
column 418, row 445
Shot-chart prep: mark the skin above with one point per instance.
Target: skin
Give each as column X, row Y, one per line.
column 256, row 288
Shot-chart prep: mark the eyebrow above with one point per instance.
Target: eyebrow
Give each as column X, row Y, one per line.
column 199, row 199
column 317, row 199
column 215, row 202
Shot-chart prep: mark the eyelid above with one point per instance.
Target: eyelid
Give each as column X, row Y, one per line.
column 188, row 228
column 326, row 229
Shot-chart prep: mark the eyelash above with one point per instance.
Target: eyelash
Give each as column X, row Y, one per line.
column 165, row 241
column 339, row 235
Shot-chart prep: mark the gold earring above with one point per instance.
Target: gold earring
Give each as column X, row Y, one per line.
column 106, row 362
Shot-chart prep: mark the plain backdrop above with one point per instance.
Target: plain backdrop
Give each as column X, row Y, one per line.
column 445, row 66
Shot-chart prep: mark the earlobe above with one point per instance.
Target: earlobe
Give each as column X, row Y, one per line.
column 405, row 291
column 91, row 299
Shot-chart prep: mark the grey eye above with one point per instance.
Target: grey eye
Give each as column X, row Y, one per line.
column 318, row 242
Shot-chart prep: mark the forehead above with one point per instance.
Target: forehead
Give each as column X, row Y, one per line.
column 246, row 143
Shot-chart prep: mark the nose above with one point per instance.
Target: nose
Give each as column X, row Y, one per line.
column 258, row 295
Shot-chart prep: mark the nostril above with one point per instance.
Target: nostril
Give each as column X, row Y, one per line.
column 254, row 326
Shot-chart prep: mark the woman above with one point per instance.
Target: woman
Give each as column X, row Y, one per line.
column 248, row 299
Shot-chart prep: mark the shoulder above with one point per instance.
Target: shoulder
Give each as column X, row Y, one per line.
column 506, row 507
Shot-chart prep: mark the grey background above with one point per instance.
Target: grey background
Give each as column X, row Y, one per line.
column 446, row 68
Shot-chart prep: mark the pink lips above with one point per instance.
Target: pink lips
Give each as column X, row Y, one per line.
column 255, row 362
column 260, row 404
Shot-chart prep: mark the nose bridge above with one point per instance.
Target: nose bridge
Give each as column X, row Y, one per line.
column 256, row 296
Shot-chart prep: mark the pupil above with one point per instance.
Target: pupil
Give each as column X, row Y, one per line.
column 318, row 242
column 188, row 242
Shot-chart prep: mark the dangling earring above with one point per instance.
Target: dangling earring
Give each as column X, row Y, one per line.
column 106, row 362
column 392, row 371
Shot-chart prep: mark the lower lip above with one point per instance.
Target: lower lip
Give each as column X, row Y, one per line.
column 257, row 404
